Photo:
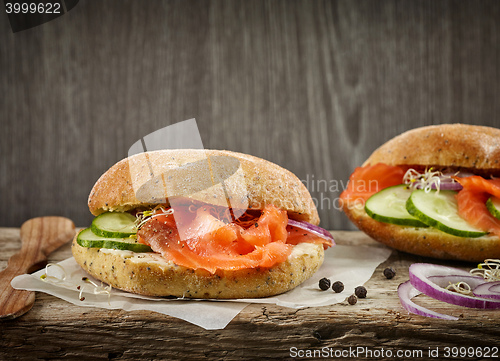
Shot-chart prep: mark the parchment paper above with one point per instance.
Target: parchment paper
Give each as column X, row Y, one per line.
column 353, row 265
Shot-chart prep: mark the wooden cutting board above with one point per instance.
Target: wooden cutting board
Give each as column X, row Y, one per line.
column 57, row 329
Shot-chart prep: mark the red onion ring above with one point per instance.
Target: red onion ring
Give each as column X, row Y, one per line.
column 448, row 186
column 406, row 292
column 488, row 290
column 446, row 181
column 420, row 274
column 444, row 281
column 318, row 231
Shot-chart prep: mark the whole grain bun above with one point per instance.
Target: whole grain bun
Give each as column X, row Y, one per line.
column 148, row 274
column 428, row 242
column 453, row 146
column 255, row 183
column 146, row 179
column 448, row 145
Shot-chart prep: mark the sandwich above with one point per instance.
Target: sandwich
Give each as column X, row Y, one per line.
column 432, row 191
column 201, row 224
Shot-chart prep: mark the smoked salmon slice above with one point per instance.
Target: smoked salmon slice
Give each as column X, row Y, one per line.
column 472, row 202
column 211, row 244
column 368, row 180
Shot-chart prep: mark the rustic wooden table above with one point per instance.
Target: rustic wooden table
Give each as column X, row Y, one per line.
column 375, row 328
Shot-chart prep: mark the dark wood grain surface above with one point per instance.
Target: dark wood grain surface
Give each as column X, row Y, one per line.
column 314, row 86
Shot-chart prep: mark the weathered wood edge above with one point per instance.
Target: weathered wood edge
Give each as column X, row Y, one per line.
column 57, row 329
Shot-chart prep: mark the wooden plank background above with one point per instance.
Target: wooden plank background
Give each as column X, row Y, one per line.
column 314, row 86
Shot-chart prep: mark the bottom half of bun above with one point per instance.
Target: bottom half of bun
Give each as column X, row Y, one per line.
column 428, row 242
column 149, row 274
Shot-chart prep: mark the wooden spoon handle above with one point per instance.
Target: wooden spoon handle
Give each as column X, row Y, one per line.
column 13, row 303
column 39, row 237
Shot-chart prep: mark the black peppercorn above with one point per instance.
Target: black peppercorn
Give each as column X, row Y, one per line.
column 352, row 300
column 324, row 283
column 389, row 273
column 338, row 287
column 360, row 291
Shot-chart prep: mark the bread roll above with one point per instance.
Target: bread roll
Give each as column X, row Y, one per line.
column 265, row 182
column 428, row 242
column 464, row 147
column 149, row 274
column 250, row 181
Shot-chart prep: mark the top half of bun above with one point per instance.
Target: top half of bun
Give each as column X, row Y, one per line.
column 458, row 146
column 256, row 182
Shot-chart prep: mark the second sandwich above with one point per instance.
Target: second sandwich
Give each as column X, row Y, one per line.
column 432, row 191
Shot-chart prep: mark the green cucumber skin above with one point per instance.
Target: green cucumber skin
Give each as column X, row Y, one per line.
column 410, row 222
column 99, row 229
column 399, row 222
column 95, row 241
column 414, row 211
column 494, row 210
column 108, row 234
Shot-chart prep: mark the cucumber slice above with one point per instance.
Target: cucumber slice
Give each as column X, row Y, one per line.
column 389, row 206
column 493, row 205
column 440, row 210
column 89, row 239
column 114, row 225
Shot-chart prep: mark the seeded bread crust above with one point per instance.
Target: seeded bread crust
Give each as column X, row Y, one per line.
column 147, row 179
column 454, row 146
column 152, row 278
column 447, row 145
column 256, row 183
column 428, row 242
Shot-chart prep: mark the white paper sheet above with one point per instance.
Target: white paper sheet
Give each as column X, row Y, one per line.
column 353, row 265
